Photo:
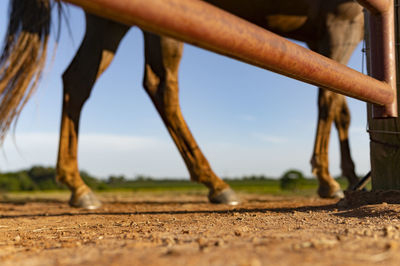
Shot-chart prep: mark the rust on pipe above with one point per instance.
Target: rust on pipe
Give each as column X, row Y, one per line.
column 382, row 49
column 209, row 27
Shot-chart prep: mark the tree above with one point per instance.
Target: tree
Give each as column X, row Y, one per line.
column 43, row 177
column 292, row 180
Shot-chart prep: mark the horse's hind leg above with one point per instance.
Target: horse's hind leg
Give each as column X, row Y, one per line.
column 332, row 108
column 162, row 56
column 342, row 123
column 342, row 37
column 94, row 55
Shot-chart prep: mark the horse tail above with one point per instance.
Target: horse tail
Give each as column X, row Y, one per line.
column 23, row 57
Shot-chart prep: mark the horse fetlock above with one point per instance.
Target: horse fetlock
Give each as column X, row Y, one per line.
column 219, row 191
column 69, row 178
column 210, row 180
column 61, row 178
column 328, row 187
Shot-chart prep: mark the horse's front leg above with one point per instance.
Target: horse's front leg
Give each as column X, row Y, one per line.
column 328, row 187
column 162, row 58
column 96, row 52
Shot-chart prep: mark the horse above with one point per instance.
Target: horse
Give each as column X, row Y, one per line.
column 331, row 28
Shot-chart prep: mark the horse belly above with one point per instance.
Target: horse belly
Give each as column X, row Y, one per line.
column 283, row 24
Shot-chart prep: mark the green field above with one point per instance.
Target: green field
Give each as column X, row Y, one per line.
column 42, row 180
column 261, row 186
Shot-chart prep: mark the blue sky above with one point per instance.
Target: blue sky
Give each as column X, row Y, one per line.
column 245, row 119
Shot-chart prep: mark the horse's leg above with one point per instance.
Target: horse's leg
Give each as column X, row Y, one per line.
column 96, row 52
column 327, row 106
column 342, row 123
column 162, row 57
column 343, row 36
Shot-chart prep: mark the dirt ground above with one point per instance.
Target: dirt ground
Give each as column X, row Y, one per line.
column 183, row 229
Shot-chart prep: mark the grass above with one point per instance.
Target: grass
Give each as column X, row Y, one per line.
column 256, row 186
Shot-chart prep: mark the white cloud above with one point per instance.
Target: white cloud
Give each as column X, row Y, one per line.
column 99, row 154
column 28, row 149
column 103, row 155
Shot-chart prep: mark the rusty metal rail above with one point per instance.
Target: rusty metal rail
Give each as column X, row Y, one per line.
column 206, row 26
column 382, row 49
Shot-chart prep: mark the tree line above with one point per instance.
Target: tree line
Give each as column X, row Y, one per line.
column 38, row 178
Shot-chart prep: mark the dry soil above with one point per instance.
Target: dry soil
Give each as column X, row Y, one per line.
column 183, row 229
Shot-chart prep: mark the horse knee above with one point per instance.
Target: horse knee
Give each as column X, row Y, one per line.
column 171, row 54
column 162, row 89
column 162, row 57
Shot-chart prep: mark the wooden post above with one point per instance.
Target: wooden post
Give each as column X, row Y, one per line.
column 385, row 133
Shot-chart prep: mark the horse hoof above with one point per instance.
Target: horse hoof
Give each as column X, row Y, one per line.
column 338, row 194
column 86, row 201
column 226, row 196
